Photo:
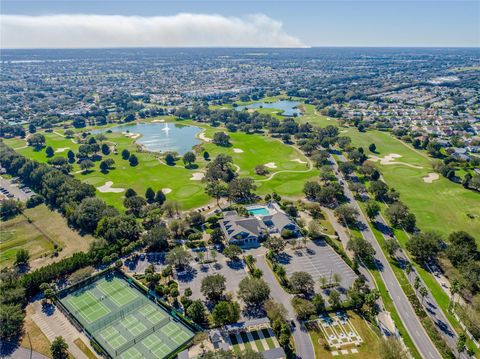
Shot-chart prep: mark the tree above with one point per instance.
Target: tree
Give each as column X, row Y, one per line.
column 130, row 193
column 178, row 257
column 170, row 159
column 59, row 348
column 134, row 204
column 424, row 246
column 379, row 189
column 49, row 151
column 461, row 341
column 37, row 141
column 372, row 147
column 347, row 214
column 232, row 251
column 423, row 292
column 319, row 303
column 85, row 165
column 213, row 286
column 334, row 299
column 157, row 238
column 71, row 156
column 304, row 309
column 88, row 213
column 32, row 128
column 462, row 248
column 361, row 248
column 197, row 312
column 150, row 195
column 253, row 291
column 133, row 160
column 221, row 139
column 105, row 149
column 275, row 244
column 11, row 317
column 302, row 283
column 216, row 189
column 311, row 189
column 240, row 189
column 189, row 158
column 10, row 208
column 396, row 214
column 171, row 208
column 392, row 246
column 226, row 313
column 372, row 209
column 160, row 197
column 125, row 154
column 206, row 156
column 392, row 348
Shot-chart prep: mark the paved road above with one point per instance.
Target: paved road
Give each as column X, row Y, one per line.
column 407, row 314
column 431, row 306
column 303, row 343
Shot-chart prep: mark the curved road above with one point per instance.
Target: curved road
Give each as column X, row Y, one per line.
column 303, row 343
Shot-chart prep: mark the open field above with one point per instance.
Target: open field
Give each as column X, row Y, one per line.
column 286, row 177
column 366, row 350
column 39, row 236
column 123, row 320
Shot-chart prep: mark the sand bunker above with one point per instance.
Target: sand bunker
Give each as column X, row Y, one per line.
column 166, row 190
column 432, row 176
column 270, row 165
column 63, row 149
column 131, row 135
column 107, row 187
column 390, row 160
column 197, row 176
column 158, row 121
column 237, row 150
column 204, row 138
column 298, row 160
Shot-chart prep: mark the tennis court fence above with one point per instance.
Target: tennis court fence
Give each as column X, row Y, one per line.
column 110, row 318
column 142, row 336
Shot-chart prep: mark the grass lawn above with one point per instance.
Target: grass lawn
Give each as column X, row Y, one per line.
column 153, row 172
column 34, row 336
column 39, row 236
column 84, row 348
column 366, row 350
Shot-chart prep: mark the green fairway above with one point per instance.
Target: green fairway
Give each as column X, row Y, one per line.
column 441, row 205
column 289, row 168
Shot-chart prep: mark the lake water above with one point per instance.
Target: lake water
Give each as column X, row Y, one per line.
column 178, row 138
column 289, row 108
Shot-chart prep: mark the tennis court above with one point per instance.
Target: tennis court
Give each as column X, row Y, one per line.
column 123, row 320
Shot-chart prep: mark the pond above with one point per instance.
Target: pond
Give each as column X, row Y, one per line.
column 162, row 137
column 288, row 108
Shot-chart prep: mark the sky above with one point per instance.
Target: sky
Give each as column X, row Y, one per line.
column 247, row 23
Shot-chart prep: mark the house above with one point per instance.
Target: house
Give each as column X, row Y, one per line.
column 263, row 220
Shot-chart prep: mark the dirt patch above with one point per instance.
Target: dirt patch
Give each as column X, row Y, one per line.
column 298, row 160
column 62, row 149
column 237, row 150
column 390, row 159
column 432, row 176
column 131, row 135
column 107, row 187
column 166, row 190
column 197, row 176
column 270, row 165
column 203, row 137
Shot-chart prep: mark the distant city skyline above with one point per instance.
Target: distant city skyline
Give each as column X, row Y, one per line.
column 267, row 23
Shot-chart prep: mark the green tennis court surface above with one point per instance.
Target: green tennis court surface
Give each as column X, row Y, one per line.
column 125, row 323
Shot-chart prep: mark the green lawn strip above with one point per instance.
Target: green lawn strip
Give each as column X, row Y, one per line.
column 436, row 290
column 246, row 341
column 407, row 288
column 258, row 342
column 268, row 339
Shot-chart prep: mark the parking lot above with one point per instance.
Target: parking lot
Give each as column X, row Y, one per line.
column 138, row 264
column 234, row 272
column 320, row 260
column 11, row 190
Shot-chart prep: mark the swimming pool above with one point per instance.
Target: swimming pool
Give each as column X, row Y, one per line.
column 260, row 211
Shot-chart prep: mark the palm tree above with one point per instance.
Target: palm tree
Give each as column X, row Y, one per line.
column 323, row 281
column 408, row 269
column 423, row 292
column 281, row 272
column 455, row 288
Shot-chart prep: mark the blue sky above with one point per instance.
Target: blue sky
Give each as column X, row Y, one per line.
column 311, row 23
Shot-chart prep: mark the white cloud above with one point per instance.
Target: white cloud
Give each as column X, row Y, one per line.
column 181, row 30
